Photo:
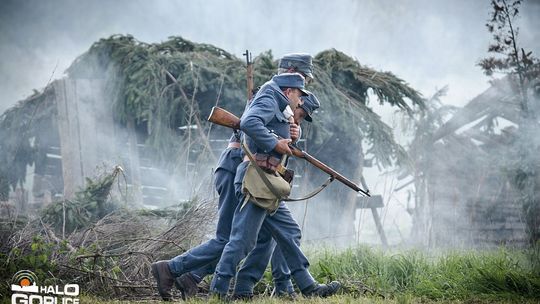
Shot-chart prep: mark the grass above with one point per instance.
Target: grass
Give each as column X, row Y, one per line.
column 457, row 276
column 339, row 299
column 373, row 276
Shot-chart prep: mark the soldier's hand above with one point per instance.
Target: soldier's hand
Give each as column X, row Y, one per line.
column 295, row 131
column 282, row 146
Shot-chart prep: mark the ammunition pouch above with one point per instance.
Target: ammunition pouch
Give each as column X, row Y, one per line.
column 270, row 164
column 288, row 175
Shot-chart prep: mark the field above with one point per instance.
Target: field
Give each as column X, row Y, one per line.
column 340, row 299
column 373, row 276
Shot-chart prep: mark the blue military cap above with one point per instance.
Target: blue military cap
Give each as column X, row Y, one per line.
column 300, row 62
column 291, row 80
column 311, row 103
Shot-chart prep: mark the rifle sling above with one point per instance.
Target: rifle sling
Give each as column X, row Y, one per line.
column 312, row 193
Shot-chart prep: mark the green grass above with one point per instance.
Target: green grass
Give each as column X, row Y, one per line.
column 373, row 276
column 339, row 299
column 499, row 274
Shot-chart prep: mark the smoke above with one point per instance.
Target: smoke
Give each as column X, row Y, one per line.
column 429, row 44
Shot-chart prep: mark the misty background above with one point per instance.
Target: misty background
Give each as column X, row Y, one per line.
column 429, row 44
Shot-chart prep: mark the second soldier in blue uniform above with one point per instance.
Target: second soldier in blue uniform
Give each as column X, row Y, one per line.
column 265, row 114
column 188, row 269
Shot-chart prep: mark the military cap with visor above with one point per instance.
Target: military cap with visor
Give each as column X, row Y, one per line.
column 300, row 62
column 291, row 80
column 311, row 103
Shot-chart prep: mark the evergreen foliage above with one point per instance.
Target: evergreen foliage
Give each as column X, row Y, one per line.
column 168, row 88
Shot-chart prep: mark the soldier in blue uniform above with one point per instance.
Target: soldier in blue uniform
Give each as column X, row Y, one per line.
column 265, row 114
column 255, row 264
column 188, row 269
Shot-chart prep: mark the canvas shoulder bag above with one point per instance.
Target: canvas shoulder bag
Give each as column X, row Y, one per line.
column 264, row 189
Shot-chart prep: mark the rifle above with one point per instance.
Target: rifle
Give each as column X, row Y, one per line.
column 249, row 72
column 227, row 119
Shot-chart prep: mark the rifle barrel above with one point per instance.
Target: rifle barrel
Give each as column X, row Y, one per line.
column 317, row 163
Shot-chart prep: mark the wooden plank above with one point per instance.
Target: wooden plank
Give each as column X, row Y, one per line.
column 68, row 134
column 73, row 116
column 375, row 201
column 105, row 138
column 87, row 134
column 88, row 120
column 481, row 105
column 134, row 164
column 378, row 224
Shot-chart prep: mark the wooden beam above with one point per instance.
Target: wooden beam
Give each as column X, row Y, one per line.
column 68, row 129
column 364, row 202
column 374, row 202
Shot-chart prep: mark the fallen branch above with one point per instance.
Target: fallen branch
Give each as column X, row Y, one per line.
column 93, row 273
column 53, row 236
column 153, row 239
column 100, row 255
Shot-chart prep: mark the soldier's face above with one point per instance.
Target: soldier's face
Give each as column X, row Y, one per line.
column 293, row 95
column 299, row 115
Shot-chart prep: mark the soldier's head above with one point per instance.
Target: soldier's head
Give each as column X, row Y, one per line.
column 297, row 63
column 306, row 109
column 292, row 85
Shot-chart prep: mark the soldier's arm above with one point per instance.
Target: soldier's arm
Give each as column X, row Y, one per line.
column 254, row 122
column 296, row 132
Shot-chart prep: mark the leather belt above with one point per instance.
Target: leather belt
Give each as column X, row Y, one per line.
column 268, row 163
column 234, row 144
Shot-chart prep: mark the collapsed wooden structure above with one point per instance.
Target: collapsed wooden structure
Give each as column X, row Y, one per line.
column 465, row 188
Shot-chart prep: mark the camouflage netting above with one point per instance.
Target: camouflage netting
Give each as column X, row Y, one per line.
column 22, row 130
column 168, row 85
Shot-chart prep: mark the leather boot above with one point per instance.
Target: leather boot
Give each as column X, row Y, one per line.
column 164, row 279
column 322, row 290
column 187, row 284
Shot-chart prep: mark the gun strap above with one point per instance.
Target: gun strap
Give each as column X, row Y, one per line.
column 312, row 193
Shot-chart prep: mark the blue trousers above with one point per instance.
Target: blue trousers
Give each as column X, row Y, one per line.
column 203, row 258
column 253, row 268
column 247, row 223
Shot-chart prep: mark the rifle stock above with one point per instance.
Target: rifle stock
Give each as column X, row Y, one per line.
column 224, row 118
column 227, row 119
